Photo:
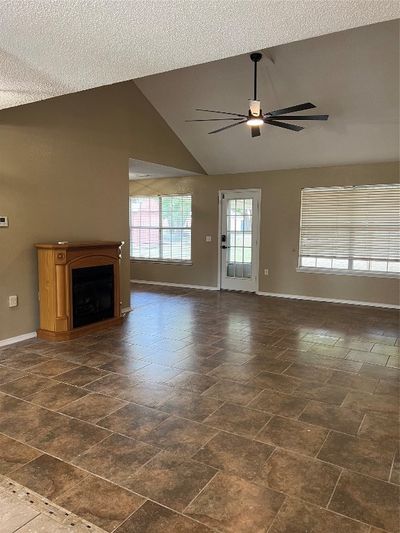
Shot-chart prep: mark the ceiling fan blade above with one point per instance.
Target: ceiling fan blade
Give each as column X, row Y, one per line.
column 255, row 131
column 301, row 117
column 292, row 127
column 211, row 119
column 221, row 112
column 226, row 127
column 299, row 107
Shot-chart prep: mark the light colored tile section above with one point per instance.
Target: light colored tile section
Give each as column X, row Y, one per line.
column 386, row 350
column 44, row 524
column 368, row 357
column 320, row 339
column 394, row 361
column 14, row 513
column 28, row 512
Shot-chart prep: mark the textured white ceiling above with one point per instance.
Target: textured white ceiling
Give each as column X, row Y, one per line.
column 352, row 75
column 48, row 47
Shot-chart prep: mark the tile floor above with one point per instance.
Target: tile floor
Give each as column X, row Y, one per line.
column 208, row 412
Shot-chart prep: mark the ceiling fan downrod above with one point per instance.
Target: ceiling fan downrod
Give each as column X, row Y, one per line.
column 255, row 57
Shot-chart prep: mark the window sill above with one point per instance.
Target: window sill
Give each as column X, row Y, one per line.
column 161, row 261
column 368, row 274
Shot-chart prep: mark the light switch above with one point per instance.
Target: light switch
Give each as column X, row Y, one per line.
column 208, row 238
column 3, row 221
column 12, row 301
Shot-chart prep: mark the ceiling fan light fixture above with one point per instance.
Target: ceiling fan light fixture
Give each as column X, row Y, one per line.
column 255, row 121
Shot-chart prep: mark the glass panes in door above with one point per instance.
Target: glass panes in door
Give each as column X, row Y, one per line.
column 239, row 225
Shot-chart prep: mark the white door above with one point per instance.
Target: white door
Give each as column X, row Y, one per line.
column 240, row 216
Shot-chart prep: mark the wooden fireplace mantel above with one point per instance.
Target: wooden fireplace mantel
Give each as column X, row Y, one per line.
column 56, row 262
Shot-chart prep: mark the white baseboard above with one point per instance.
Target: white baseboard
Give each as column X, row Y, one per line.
column 18, row 338
column 183, row 285
column 275, row 295
column 327, row 300
column 126, row 309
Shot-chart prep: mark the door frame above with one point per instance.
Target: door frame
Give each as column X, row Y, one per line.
column 257, row 232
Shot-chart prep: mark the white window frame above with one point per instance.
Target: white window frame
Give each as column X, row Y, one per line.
column 350, row 271
column 160, row 227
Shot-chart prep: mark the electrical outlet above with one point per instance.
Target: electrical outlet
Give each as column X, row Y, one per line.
column 208, row 238
column 12, row 301
column 266, row 272
column 3, row 221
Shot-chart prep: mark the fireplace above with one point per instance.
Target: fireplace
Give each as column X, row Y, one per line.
column 92, row 294
column 78, row 288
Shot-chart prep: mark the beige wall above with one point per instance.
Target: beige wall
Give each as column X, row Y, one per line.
column 64, row 176
column 280, row 213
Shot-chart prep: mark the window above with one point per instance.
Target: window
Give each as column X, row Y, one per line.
column 160, row 227
column 354, row 229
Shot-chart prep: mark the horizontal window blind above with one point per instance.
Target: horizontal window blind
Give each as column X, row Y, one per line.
column 160, row 227
column 361, row 222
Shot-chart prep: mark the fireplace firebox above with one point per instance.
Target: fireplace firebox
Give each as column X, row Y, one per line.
column 92, row 294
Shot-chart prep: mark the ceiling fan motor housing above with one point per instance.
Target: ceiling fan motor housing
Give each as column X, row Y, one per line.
column 254, row 108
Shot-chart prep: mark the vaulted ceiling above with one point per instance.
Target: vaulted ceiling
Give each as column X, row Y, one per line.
column 352, row 75
column 49, row 48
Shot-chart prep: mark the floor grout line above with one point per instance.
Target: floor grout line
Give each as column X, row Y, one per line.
column 334, row 488
column 277, row 514
column 392, row 466
column 322, row 445
column 28, row 522
column 202, row 490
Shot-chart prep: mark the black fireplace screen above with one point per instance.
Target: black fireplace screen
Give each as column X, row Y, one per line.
column 92, row 294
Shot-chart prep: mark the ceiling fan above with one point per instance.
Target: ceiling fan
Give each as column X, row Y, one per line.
column 256, row 118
